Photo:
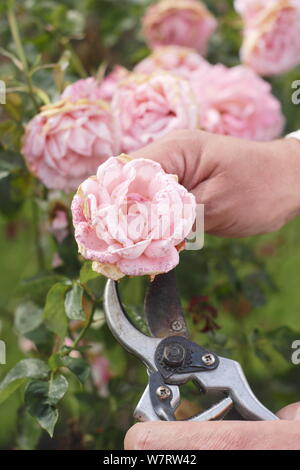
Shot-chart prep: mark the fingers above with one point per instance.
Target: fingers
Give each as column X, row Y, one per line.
column 290, row 412
column 179, row 153
column 214, row 435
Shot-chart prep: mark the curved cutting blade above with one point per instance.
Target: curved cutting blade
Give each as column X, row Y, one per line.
column 163, row 308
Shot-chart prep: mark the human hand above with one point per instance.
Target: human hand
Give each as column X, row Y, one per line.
column 219, row 435
column 248, row 188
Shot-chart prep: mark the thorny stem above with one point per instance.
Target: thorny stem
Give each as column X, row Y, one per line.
column 37, row 239
column 75, row 59
column 81, row 334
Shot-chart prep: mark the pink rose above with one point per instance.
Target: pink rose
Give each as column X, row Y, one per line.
column 185, row 23
column 66, row 142
column 86, row 89
column 130, row 218
column 237, row 102
column 26, row 345
column 271, row 42
column 148, row 107
column 100, row 368
column 92, row 89
column 249, row 9
column 59, row 225
column 101, row 374
column 111, row 82
column 180, row 61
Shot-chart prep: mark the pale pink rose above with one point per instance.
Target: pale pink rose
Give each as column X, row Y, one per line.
column 180, row 61
column 86, row 88
column 237, row 102
column 26, row 345
column 59, row 225
column 100, row 367
column 132, row 218
column 149, row 106
column 271, row 42
column 101, row 374
column 67, row 141
column 111, row 82
column 92, row 89
column 185, row 23
column 249, row 9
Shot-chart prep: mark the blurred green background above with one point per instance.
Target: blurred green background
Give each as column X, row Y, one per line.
column 242, row 297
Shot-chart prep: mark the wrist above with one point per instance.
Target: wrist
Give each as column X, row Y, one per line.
column 287, row 153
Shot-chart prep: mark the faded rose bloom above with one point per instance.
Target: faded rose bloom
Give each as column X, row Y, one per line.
column 101, row 374
column 111, row 82
column 237, row 102
column 185, row 23
column 100, row 368
column 249, row 9
column 66, row 142
column 26, row 345
column 86, row 88
column 149, row 106
column 59, row 225
column 132, row 218
column 271, row 42
column 180, row 61
column 92, row 89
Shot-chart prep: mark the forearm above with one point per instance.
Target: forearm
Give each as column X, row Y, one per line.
column 287, row 153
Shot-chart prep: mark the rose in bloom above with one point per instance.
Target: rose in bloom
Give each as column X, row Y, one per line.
column 100, row 368
column 92, row 89
column 101, row 374
column 86, row 88
column 149, row 106
column 59, row 224
column 271, row 42
column 237, row 102
column 67, row 141
column 111, row 82
column 185, row 23
column 249, row 9
column 132, row 218
column 180, row 61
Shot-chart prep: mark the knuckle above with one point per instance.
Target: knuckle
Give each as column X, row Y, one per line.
column 139, row 437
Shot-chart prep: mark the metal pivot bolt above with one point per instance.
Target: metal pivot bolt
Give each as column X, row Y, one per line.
column 163, row 392
column 177, row 325
column 174, row 354
column 208, row 359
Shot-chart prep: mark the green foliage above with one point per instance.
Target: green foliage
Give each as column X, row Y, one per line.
column 78, row 366
column 54, row 312
column 25, row 369
column 73, row 303
column 41, row 399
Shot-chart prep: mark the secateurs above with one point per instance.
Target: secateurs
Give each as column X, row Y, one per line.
column 172, row 359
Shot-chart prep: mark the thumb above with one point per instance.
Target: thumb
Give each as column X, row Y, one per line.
column 179, row 153
column 290, row 412
column 167, row 151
